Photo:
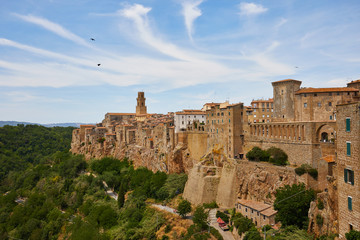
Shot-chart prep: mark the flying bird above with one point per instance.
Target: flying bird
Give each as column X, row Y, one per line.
column 92, row 39
column 99, row 64
column 296, row 67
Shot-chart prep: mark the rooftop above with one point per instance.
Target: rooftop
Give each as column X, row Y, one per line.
column 326, row 90
column 286, row 80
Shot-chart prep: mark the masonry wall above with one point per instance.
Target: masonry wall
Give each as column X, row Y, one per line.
column 197, row 144
column 348, row 218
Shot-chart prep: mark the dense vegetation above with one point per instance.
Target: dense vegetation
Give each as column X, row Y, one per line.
column 46, row 192
column 273, row 155
column 292, row 204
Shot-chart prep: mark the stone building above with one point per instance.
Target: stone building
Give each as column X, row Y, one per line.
column 224, row 124
column 260, row 213
column 348, row 167
column 262, row 110
column 185, row 118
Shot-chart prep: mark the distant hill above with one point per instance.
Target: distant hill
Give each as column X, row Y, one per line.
column 15, row 123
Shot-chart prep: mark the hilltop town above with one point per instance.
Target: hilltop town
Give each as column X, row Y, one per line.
column 318, row 128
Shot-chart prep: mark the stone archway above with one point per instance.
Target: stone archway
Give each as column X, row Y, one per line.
column 325, row 133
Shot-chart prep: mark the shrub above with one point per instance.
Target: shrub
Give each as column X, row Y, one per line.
column 277, row 156
column 211, row 205
column 313, row 173
column 168, row 228
column 223, row 216
column 216, row 233
column 165, row 237
column 320, row 204
column 352, row 235
column 300, row 170
column 319, row 220
column 256, row 154
column 184, row 208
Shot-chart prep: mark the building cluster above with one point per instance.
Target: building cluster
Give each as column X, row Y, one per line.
column 315, row 126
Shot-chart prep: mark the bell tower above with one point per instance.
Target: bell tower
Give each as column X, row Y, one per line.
column 141, row 107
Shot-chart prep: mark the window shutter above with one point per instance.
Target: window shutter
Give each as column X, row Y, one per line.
column 348, row 124
column 350, row 203
column 351, row 177
column 348, row 149
column 345, row 175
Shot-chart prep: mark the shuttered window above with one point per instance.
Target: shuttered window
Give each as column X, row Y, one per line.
column 350, row 203
column 348, row 124
column 348, row 148
column 349, row 176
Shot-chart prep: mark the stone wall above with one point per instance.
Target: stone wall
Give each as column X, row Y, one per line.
column 242, row 179
column 197, row 144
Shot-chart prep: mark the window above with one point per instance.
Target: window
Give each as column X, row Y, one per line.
column 319, row 104
column 267, row 105
column 267, row 115
column 263, row 110
column 350, row 203
column 229, row 113
column 255, row 115
column 331, row 117
column 348, row 124
column 315, row 94
column 330, row 104
column 229, row 120
column 330, row 94
column 263, row 115
column 263, row 105
column 349, row 176
column 305, row 105
column 305, row 95
column 348, row 148
column 338, row 93
column 218, row 114
column 222, row 114
column 254, row 110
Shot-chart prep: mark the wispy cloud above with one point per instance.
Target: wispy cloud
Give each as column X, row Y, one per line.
column 191, row 12
column 23, row 96
column 248, row 9
column 54, row 27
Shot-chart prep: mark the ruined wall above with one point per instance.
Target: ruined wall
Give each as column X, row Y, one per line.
column 197, row 144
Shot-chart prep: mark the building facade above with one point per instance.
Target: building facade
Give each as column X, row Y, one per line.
column 185, row 118
column 348, row 166
column 262, row 110
column 224, row 124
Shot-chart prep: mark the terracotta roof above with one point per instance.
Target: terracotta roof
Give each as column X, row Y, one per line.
column 324, row 90
column 263, row 100
column 329, row 158
column 355, row 81
column 268, row 212
column 120, row 114
column 191, row 113
column 87, row 125
column 286, row 80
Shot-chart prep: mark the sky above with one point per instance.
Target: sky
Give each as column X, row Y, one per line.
column 181, row 53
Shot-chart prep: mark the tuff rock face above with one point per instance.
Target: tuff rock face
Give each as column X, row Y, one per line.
column 157, row 159
column 323, row 218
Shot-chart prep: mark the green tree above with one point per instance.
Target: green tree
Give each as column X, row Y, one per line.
column 277, row 156
column 253, row 234
column 352, row 235
column 200, row 217
column 292, row 204
column 184, row 208
column 257, row 154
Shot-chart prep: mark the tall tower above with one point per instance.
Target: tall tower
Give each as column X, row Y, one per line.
column 141, row 107
column 284, row 99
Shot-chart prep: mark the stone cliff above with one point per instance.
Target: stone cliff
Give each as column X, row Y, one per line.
column 323, row 217
column 229, row 181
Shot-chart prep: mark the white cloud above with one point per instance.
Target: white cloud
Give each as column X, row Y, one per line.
column 54, row 27
column 248, row 9
column 191, row 12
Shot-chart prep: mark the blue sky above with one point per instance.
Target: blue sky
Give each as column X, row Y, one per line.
column 182, row 53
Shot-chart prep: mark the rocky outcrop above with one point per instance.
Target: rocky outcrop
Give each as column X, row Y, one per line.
column 225, row 182
column 323, row 218
column 157, row 159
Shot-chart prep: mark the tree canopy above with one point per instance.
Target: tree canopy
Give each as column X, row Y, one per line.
column 292, row 204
